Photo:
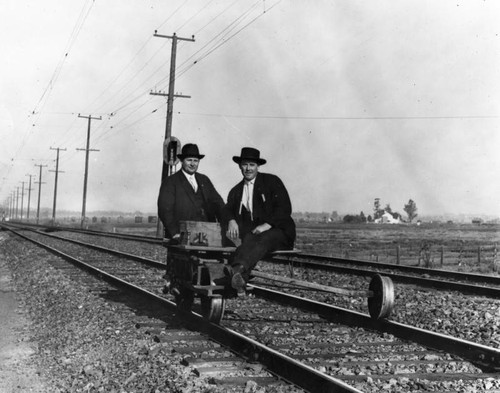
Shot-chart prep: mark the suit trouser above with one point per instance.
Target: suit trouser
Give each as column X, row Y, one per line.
column 254, row 247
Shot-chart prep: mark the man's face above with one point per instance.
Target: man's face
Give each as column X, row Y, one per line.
column 190, row 165
column 249, row 169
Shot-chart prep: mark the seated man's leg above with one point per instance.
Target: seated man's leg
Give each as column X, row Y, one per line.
column 254, row 247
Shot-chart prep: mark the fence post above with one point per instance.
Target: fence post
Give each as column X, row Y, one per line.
column 479, row 255
column 442, row 256
column 398, row 251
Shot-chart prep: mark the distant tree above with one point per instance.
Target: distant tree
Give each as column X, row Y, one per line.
column 351, row 219
column 354, row 218
column 396, row 215
column 388, row 208
column 377, row 210
column 411, row 210
column 369, row 218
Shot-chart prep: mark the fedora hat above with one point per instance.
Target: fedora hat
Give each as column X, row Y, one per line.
column 190, row 150
column 250, row 154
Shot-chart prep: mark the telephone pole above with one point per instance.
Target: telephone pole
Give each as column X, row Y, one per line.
column 170, row 96
column 167, row 168
column 22, row 199
column 7, row 214
column 29, row 197
column 12, row 196
column 39, row 192
column 8, row 206
column 85, row 177
column 17, row 202
column 55, row 184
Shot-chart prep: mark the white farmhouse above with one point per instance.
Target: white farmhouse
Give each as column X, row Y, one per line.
column 387, row 218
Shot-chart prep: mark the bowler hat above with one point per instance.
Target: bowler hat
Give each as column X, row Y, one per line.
column 190, row 150
column 249, row 154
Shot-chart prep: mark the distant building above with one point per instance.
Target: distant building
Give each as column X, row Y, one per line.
column 138, row 219
column 388, row 218
column 477, row 221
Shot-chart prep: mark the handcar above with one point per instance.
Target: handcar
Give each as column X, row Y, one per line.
column 197, row 266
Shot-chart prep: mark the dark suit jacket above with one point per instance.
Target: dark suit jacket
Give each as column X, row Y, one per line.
column 271, row 204
column 176, row 201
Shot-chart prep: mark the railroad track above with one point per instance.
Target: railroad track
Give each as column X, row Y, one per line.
column 464, row 283
column 337, row 344
column 477, row 284
column 401, row 273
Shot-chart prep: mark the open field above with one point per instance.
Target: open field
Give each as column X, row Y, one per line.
column 459, row 247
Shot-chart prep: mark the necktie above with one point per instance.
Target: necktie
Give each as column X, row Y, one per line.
column 246, row 197
column 193, row 183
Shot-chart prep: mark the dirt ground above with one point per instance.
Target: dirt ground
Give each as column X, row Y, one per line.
column 16, row 372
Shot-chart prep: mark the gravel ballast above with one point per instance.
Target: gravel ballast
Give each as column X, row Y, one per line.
column 89, row 344
column 83, row 343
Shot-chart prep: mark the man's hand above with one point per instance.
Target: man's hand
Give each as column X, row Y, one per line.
column 175, row 239
column 261, row 228
column 233, row 231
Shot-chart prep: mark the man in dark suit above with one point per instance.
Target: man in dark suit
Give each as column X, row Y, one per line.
column 188, row 195
column 258, row 211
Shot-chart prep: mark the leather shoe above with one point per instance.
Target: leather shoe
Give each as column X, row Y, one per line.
column 237, row 280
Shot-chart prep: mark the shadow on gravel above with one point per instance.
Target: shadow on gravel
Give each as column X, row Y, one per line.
column 144, row 307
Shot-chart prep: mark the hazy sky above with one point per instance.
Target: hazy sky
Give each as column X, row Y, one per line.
column 347, row 100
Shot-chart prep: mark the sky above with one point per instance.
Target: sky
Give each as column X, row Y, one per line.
column 347, row 101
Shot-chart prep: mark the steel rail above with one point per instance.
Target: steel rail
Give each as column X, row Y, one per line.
column 413, row 280
column 475, row 277
column 401, row 278
column 282, row 366
column 137, row 258
column 471, row 277
column 139, row 238
column 486, row 358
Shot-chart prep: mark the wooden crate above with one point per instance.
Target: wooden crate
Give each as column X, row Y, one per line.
column 197, row 233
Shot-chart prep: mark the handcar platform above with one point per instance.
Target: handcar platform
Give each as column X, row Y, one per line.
column 203, row 270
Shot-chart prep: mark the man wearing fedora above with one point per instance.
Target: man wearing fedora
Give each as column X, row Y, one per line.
column 258, row 211
column 188, row 195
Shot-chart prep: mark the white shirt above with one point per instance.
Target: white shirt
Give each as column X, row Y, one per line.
column 191, row 180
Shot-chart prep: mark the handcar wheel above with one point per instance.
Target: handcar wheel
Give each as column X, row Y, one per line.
column 380, row 305
column 212, row 308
